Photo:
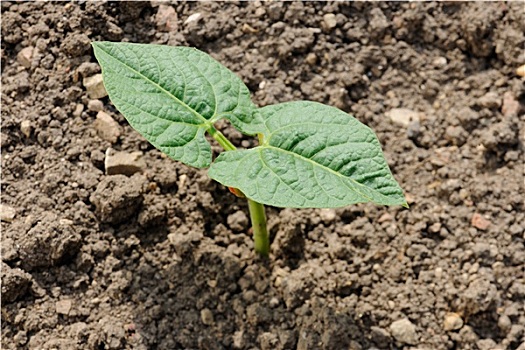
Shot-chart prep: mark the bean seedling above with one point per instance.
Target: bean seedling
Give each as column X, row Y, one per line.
column 309, row 155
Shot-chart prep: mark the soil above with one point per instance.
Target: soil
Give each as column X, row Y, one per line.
column 161, row 257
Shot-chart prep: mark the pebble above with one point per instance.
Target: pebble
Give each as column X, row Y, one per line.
column 440, row 61
column 490, row 100
column 435, row 227
column 329, row 21
column 479, row 222
column 107, row 128
column 311, row 59
column 274, row 302
column 504, row 323
column 88, row 69
column 403, row 116
column 385, row 217
column 521, row 71
column 24, row 56
column 7, row 213
column 193, row 18
column 486, row 344
column 246, row 28
column 95, row 105
column 166, row 18
column 25, row 127
column 63, row 307
column 452, row 322
column 78, row 110
column 260, row 12
column 238, row 340
column 95, row 86
column 123, row 162
column 327, row 215
column 510, row 106
column 207, row 317
column 404, row 331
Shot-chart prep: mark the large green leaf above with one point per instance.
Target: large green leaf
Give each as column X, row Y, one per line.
column 172, row 95
column 311, row 156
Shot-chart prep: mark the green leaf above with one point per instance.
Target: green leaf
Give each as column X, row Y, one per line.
column 312, row 156
column 172, row 95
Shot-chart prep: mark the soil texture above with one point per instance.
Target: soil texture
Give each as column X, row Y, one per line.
column 107, row 244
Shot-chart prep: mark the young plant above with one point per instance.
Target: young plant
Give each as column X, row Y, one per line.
column 309, row 155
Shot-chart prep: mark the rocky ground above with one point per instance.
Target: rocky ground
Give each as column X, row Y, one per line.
column 107, row 244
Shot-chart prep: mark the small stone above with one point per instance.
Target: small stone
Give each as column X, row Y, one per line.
column 327, row 215
column 504, row 323
column 78, row 110
column 404, row 331
column 63, row 307
column 95, row 86
column 248, row 29
column 107, row 128
column 238, row 340
column 510, row 106
column 260, row 12
column 274, row 302
column 166, row 18
column 88, row 69
column 95, row 105
column 403, row 116
column 440, row 62
column 24, row 56
column 7, row 213
column 329, row 21
column 452, row 322
column 311, row 59
column 490, row 100
column 123, row 163
column 486, row 344
column 385, row 217
column 193, row 18
column 435, row 227
column 238, row 221
column 207, row 317
column 479, row 222
column 456, row 134
column 25, row 127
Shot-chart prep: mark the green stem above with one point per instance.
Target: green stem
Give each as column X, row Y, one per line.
column 261, row 239
column 221, row 139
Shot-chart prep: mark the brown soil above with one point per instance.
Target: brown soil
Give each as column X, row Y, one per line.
column 163, row 259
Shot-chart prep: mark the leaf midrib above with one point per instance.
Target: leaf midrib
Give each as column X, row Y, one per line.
column 205, row 123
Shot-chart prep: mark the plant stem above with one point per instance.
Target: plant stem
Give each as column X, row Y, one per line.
column 221, row 139
column 261, row 239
